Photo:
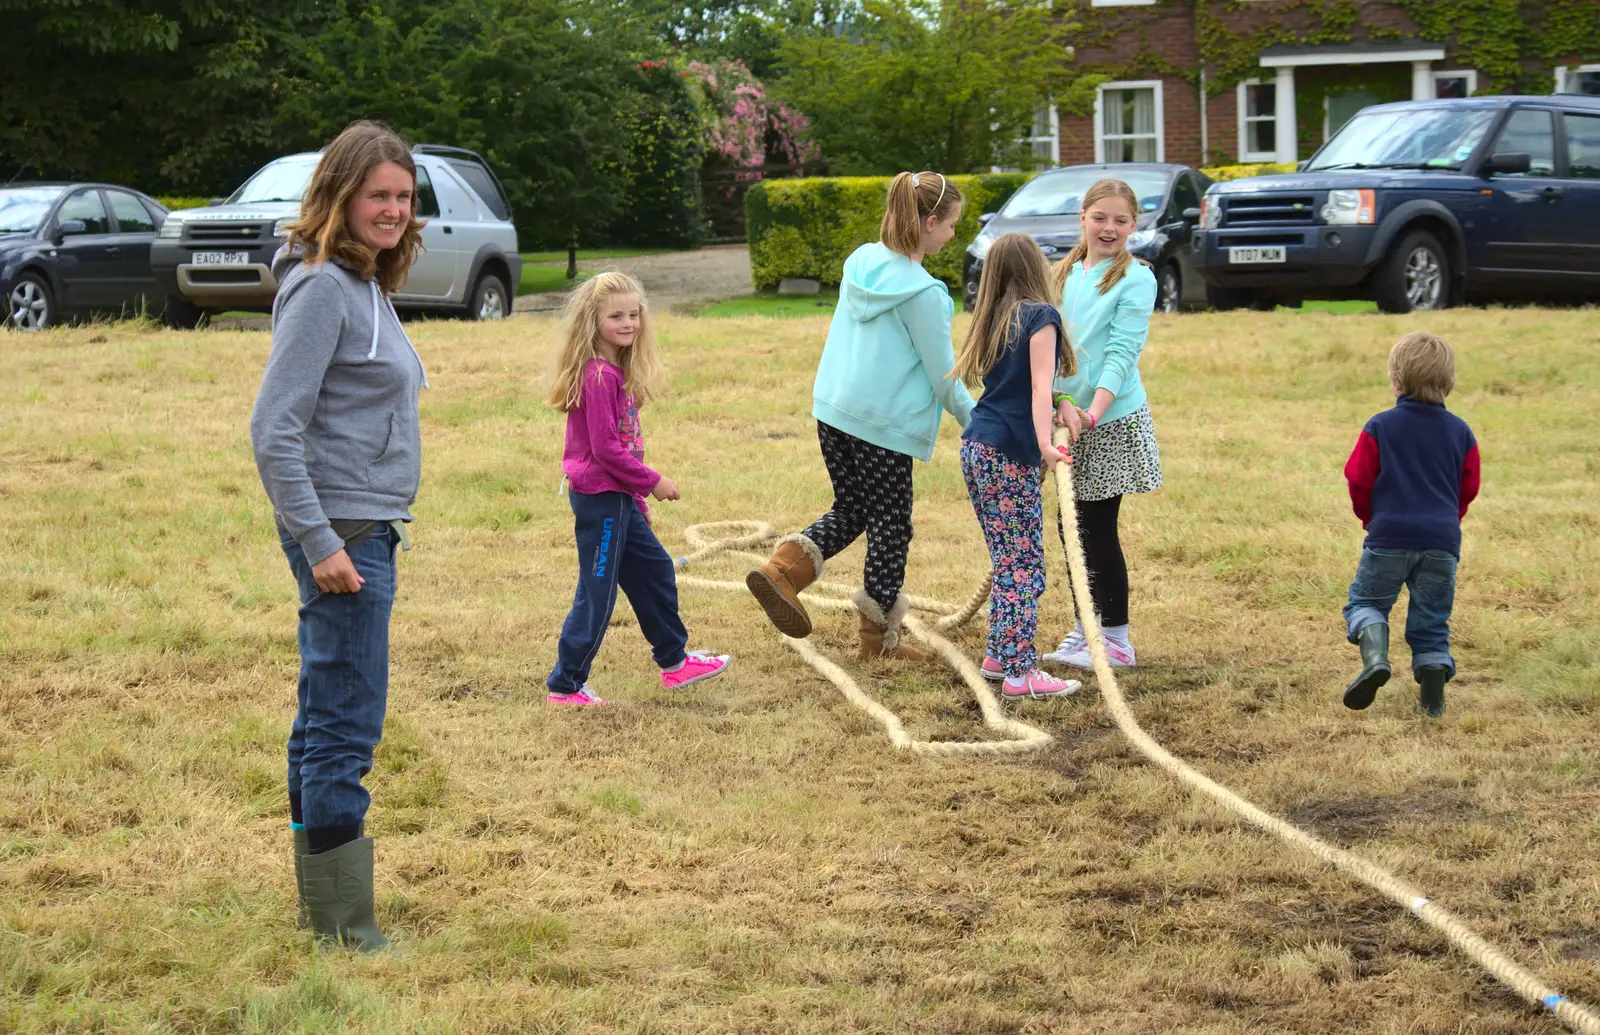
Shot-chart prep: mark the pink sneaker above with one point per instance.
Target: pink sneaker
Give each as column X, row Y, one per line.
column 1040, row 684
column 991, row 670
column 697, row 665
column 581, row 697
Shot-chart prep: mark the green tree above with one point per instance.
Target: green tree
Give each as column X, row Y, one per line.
column 951, row 85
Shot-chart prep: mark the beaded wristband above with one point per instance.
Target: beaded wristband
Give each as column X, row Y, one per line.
column 1055, row 400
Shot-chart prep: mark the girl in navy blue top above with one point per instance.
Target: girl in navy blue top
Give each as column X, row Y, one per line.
column 1014, row 349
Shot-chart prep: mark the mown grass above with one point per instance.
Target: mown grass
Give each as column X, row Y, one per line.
column 751, row 857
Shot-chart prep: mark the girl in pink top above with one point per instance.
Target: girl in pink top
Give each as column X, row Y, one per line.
column 608, row 367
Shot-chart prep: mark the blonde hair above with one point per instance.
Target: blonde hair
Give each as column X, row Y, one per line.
column 320, row 230
column 914, row 197
column 643, row 373
column 1424, row 367
column 1098, row 192
column 1014, row 272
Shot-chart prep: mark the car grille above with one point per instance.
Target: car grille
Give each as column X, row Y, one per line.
column 1270, row 210
column 223, row 232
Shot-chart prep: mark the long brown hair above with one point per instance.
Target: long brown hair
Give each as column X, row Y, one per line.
column 1102, row 189
column 914, row 197
column 320, row 230
column 643, row 373
column 1014, row 272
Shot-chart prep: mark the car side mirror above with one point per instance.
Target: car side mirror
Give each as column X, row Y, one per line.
column 69, row 227
column 1507, row 162
column 217, row 201
column 983, row 220
column 1191, row 215
column 1300, row 166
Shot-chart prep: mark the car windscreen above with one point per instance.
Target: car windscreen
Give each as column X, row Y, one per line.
column 283, row 180
column 24, row 208
column 1423, row 138
column 1059, row 194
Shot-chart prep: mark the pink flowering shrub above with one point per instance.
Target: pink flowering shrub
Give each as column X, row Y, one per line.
column 743, row 127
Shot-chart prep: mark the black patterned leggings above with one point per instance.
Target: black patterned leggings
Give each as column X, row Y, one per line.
column 1102, row 556
column 871, row 494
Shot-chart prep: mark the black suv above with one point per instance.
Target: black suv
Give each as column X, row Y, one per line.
column 1419, row 205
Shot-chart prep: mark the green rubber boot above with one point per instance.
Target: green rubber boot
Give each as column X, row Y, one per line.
column 301, row 850
column 1430, row 682
column 1374, row 641
column 338, row 896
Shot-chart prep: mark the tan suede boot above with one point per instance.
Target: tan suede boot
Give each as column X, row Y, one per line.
column 776, row 585
column 880, row 633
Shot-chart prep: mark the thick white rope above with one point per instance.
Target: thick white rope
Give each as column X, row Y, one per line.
column 742, row 534
column 1523, row 981
column 1021, row 737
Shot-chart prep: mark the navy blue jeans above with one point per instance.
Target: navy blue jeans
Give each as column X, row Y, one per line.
column 617, row 550
column 1430, row 575
column 344, row 682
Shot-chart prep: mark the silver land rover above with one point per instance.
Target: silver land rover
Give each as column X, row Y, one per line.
column 208, row 260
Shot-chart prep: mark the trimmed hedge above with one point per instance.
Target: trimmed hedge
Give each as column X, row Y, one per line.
column 1239, row 172
column 173, row 203
column 807, row 227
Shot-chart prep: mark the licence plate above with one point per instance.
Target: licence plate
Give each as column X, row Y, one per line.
column 239, row 258
column 1273, row 253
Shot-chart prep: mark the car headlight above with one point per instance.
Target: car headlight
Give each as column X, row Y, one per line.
column 281, row 227
column 1140, row 239
column 1350, row 208
column 1210, row 213
column 172, row 229
column 980, row 246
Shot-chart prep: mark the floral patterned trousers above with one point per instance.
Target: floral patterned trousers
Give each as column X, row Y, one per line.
column 1010, row 508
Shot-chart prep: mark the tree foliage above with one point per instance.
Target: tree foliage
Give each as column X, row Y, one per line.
column 951, row 85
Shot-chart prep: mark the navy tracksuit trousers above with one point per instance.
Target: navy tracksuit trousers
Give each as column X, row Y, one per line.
column 617, row 549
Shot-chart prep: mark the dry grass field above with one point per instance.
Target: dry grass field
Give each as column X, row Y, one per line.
column 752, row 857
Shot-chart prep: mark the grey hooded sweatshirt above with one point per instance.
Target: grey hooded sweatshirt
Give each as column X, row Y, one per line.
column 335, row 427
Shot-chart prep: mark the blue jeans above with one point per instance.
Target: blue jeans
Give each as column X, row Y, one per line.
column 616, row 550
column 1430, row 575
column 344, row 682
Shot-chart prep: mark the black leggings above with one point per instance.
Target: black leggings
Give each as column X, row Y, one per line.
column 871, row 494
column 1102, row 554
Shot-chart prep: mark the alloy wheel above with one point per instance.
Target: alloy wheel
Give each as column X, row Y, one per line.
column 30, row 309
column 1169, row 301
column 1424, row 279
column 492, row 304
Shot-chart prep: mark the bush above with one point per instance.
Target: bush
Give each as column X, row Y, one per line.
column 808, row 227
column 174, row 203
column 1239, row 172
column 663, row 205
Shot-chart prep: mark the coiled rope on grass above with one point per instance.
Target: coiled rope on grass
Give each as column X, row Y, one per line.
column 1023, row 738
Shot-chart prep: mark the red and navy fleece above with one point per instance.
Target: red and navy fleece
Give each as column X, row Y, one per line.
column 1412, row 474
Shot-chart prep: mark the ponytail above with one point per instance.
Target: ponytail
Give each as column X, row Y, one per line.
column 1102, row 189
column 913, row 197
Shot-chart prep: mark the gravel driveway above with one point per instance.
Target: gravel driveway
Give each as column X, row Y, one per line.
column 675, row 280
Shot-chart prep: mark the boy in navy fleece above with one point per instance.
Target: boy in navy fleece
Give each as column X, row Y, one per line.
column 1412, row 474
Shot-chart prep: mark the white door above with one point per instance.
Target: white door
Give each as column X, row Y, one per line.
column 434, row 275
column 475, row 225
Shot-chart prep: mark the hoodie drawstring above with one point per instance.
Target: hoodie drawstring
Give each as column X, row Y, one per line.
column 372, row 353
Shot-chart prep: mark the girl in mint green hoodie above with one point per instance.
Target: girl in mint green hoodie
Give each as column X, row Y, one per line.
column 880, row 393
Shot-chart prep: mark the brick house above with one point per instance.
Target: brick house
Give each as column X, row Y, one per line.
column 1272, row 103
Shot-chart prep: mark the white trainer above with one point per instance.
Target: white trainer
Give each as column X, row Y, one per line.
column 1070, row 648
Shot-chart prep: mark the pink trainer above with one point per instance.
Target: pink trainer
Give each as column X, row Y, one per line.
column 697, row 665
column 991, row 670
column 581, row 697
column 1040, row 684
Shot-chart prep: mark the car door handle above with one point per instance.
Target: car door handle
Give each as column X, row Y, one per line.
column 449, row 229
column 1551, row 193
column 113, row 249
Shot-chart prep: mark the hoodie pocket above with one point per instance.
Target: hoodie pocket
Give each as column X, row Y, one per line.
column 396, row 471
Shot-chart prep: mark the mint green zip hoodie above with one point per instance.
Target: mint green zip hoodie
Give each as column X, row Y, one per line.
column 1107, row 332
column 882, row 375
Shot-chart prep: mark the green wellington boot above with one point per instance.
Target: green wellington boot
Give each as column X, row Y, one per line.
column 338, row 896
column 1374, row 641
column 1430, row 683
column 301, row 849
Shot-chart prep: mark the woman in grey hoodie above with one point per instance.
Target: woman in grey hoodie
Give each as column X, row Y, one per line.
column 337, row 443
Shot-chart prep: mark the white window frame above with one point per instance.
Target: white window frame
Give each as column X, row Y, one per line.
column 1099, row 115
column 1469, row 74
column 1246, row 156
column 1563, row 70
column 1053, row 138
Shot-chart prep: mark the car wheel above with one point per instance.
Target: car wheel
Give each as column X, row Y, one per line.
column 490, row 300
column 1169, row 290
column 29, row 306
column 180, row 312
column 1414, row 277
column 1227, row 299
